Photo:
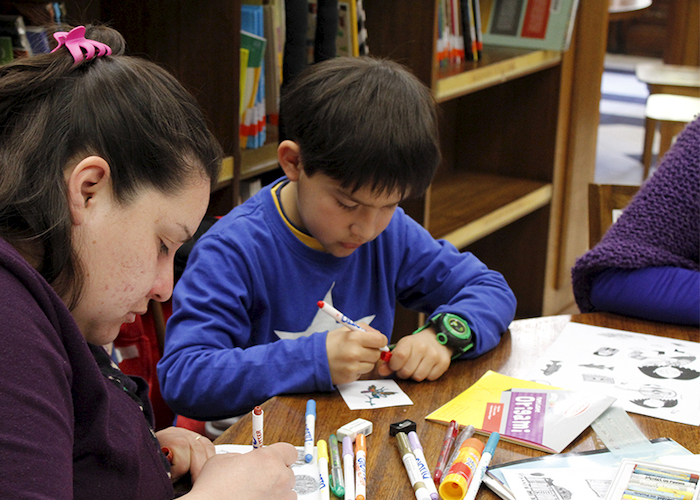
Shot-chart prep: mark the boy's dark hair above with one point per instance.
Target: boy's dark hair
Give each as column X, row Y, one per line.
column 364, row 122
column 53, row 113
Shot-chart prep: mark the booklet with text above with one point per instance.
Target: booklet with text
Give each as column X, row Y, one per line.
column 528, row 413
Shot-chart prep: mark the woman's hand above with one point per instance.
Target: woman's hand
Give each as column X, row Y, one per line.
column 190, row 451
column 261, row 473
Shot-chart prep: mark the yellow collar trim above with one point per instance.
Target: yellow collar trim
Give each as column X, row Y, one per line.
column 306, row 239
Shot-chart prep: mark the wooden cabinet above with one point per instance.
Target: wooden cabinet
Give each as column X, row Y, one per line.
column 518, row 128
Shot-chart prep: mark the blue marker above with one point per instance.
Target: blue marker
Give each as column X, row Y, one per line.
column 484, row 462
column 310, row 429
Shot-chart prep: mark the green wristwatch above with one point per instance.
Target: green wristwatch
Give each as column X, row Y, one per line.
column 452, row 331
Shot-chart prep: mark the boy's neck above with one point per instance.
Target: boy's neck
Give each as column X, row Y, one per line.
column 288, row 200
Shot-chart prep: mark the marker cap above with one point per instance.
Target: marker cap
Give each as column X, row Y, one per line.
column 413, row 439
column 347, row 446
column 311, row 407
column 322, row 449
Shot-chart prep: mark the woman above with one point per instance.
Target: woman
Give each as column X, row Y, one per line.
column 106, row 166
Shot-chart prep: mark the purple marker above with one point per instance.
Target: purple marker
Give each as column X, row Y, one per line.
column 417, row 450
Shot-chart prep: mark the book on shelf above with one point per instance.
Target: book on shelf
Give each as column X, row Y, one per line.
column 343, row 42
column 13, row 26
column 6, row 53
column 528, row 413
column 531, row 24
column 252, row 128
column 468, row 17
column 38, row 39
column 362, row 45
column 274, row 51
column 244, row 54
column 351, row 33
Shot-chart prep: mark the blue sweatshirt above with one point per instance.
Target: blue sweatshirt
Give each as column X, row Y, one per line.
column 246, row 325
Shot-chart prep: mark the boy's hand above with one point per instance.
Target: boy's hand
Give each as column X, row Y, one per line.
column 419, row 356
column 352, row 354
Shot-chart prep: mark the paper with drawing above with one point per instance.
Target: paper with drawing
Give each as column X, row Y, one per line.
column 368, row 394
column 650, row 375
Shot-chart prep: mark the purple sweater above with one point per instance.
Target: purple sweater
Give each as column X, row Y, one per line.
column 659, row 229
column 65, row 430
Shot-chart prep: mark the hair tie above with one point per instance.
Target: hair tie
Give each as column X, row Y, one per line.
column 75, row 42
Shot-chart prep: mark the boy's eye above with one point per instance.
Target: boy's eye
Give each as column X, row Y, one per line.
column 346, row 207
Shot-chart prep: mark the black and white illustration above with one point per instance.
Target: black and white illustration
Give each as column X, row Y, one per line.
column 647, row 374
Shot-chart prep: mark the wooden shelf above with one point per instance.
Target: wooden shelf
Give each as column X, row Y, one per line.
column 226, row 174
column 498, row 65
column 255, row 162
column 465, row 206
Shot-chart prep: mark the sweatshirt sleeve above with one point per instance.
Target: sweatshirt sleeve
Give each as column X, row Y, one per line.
column 435, row 277
column 213, row 359
column 667, row 294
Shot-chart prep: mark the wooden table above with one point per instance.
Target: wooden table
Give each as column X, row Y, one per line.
column 521, row 345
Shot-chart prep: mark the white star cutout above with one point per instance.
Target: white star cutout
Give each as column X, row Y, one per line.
column 322, row 322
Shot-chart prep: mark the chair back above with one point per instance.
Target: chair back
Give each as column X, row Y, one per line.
column 603, row 201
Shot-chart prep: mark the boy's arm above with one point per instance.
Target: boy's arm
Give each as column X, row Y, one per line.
column 212, row 367
column 436, row 278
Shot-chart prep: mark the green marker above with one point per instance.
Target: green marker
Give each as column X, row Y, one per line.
column 336, row 479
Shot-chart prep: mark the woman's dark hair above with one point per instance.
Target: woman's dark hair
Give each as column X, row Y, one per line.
column 54, row 113
column 364, row 122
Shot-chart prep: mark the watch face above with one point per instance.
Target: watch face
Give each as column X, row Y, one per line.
column 456, row 325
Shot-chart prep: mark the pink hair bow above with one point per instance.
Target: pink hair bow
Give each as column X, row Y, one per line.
column 75, row 42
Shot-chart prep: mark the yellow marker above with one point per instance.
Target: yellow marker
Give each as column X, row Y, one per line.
column 322, row 448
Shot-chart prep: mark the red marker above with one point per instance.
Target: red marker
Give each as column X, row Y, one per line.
column 341, row 318
column 450, row 435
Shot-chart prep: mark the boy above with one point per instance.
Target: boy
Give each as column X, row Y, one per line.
column 362, row 136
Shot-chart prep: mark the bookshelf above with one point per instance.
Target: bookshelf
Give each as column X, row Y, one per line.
column 518, row 138
column 518, row 128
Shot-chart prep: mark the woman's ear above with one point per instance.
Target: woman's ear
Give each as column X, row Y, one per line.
column 289, row 159
column 88, row 182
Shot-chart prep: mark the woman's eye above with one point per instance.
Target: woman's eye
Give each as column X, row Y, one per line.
column 164, row 248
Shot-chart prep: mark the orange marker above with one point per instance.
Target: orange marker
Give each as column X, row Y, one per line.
column 360, row 467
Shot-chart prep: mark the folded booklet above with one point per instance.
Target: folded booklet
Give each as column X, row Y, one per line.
column 528, row 413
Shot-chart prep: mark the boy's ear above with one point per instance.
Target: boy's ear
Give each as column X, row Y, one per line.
column 86, row 183
column 289, row 159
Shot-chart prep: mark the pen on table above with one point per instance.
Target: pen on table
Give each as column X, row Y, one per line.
column 464, row 434
column 310, row 430
column 257, row 427
column 348, row 468
column 422, row 464
column 450, row 435
column 360, row 467
column 341, row 318
column 409, row 462
column 323, row 469
column 483, row 465
column 336, row 480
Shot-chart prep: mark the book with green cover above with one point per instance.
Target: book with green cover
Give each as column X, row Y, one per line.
column 531, row 24
column 528, row 413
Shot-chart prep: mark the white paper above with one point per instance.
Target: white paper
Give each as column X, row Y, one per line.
column 369, row 394
column 307, row 475
column 649, row 375
column 573, row 484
